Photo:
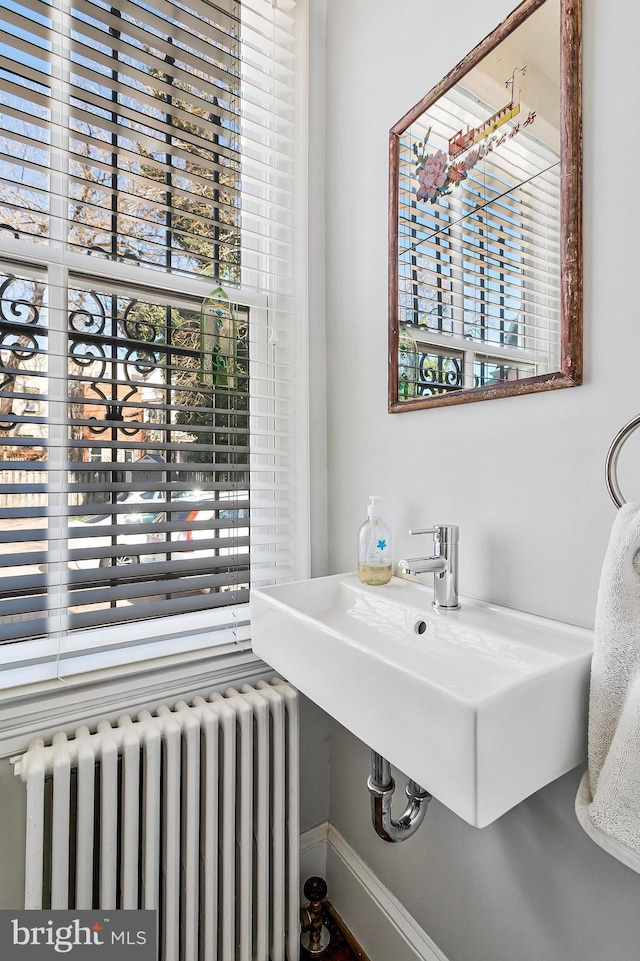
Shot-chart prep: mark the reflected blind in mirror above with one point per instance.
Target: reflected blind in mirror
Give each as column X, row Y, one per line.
column 479, row 268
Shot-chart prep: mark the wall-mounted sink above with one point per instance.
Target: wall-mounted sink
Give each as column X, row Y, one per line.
column 481, row 706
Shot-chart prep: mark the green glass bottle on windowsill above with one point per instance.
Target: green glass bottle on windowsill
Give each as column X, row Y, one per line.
column 407, row 364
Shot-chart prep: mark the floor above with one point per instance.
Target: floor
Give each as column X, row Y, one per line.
column 343, row 946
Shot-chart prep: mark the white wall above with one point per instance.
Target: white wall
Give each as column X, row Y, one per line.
column 523, row 477
column 13, row 811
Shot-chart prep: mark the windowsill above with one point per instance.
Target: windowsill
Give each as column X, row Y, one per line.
column 43, row 708
column 425, row 337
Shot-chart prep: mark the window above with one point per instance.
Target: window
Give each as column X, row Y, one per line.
column 147, row 321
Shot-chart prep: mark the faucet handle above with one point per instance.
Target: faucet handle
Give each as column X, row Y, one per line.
column 441, row 532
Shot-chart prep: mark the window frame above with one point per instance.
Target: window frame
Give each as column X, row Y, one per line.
column 32, row 668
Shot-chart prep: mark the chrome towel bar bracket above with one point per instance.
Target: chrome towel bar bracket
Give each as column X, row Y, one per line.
column 611, row 463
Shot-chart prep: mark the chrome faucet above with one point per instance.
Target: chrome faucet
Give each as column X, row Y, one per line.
column 443, row 564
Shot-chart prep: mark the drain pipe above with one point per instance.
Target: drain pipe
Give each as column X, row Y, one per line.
column 381, row 787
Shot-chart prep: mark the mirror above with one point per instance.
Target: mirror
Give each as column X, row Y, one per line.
column 485, row 286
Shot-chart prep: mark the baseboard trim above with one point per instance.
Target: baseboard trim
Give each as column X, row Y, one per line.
column 316, row 835
column 372, row 913
column 313, row 854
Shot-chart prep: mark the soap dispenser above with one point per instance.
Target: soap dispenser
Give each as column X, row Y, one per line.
column 374, row 547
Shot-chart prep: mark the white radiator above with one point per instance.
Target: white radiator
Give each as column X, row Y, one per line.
column 192, row 812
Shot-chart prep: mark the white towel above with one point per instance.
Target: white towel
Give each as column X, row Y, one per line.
column 608, row 800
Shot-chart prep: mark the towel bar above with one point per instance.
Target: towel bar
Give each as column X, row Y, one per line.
column 611, row 463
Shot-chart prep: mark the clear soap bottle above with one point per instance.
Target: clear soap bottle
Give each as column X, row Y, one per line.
column 374, row 547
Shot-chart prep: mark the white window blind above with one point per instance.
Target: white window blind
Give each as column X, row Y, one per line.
column 479, row 269
column 147, row 320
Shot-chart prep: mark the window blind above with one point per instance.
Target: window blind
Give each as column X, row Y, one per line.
column 147, row 316
column 474, row 274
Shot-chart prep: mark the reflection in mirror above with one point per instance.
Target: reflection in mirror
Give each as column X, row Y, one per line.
column 485, row 258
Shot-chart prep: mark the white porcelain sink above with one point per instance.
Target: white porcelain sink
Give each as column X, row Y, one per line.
column 481, row 706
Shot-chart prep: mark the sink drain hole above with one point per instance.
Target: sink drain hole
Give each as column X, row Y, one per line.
column 420, row 627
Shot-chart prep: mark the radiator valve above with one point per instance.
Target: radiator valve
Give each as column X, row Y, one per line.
column 315, row 935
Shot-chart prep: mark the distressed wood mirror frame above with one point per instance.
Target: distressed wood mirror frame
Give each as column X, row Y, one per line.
column 448, row 249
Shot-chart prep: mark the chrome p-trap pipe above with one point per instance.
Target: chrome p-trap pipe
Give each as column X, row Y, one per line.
column 381, row 788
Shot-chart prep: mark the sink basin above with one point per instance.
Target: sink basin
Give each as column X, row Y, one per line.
column 481, row 706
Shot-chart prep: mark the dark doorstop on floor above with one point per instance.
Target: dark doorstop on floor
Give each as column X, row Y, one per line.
column 324, row 935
